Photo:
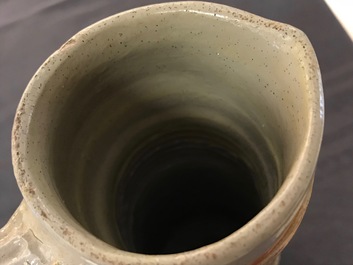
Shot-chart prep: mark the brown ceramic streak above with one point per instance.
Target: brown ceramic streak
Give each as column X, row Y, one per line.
column 286, row 236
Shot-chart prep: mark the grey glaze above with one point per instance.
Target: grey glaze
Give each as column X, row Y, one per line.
column 165, row 71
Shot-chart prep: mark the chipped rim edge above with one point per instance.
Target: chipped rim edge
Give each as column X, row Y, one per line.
column 228, row 248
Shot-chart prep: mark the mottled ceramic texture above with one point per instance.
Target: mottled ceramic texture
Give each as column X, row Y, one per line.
column 249, row 76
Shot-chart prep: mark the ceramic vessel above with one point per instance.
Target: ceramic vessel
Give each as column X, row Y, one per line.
column 178, row 133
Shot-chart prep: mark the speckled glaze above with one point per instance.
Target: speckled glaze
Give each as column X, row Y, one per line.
column 260, row 79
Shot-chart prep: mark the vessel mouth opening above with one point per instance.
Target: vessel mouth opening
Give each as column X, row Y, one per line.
column 150, row 167
column 161, row 162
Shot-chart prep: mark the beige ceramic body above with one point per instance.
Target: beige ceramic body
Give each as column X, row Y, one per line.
column 42, row 230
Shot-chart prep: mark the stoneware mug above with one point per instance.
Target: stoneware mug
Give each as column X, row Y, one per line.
column 177, row 133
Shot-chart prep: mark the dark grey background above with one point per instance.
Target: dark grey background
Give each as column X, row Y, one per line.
column 30, row 30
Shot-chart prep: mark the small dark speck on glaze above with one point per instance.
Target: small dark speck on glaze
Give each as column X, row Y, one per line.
column 31, row 190
column 42, row 213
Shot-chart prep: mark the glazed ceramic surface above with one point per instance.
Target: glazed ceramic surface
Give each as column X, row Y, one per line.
column 142, row 86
